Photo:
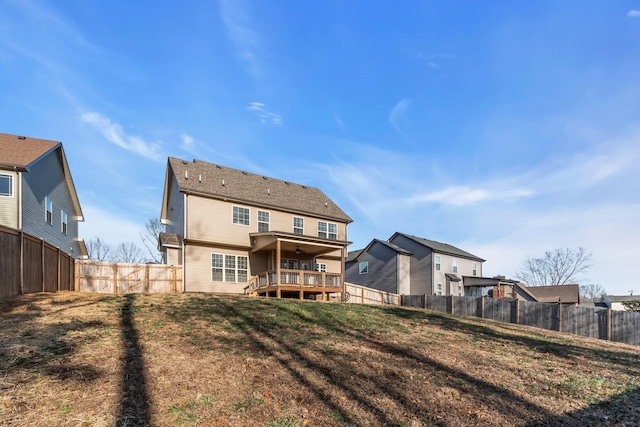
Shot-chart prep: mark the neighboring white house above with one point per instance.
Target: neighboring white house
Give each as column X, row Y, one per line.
column 614, row 302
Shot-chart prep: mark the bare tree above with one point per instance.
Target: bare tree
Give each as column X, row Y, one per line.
column 633, row 305
column 128, row 253
column 591, row 292
column 558, row 267
column 98, row 249
column 150, row 236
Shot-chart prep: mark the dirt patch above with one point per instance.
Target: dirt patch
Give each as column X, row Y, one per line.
column 90, row 360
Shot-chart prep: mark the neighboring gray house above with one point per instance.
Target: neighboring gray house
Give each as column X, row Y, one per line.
column 381, row 265
column 434, row 268
column 614, row 302
column 37, row 195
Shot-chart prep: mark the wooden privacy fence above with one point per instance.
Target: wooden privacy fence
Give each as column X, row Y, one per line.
column 613, row 325
column 361, row 295
column 114, row 278
column 30, row 265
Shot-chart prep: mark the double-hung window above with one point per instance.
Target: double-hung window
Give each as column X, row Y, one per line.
column 460, row 293
column 455, row 265
column 437, row 262
column 229, row 268
column 298, row 225
column 63, row 222
column 263, row 221
column 6, row 185
column 240, row 215
column 439, row 289
column 48, row 210
column 327, row 230
column 474, row 268
column 364, row 267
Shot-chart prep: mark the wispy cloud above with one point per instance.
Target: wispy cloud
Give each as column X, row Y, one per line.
column 187, row 142
column 464, row 196
column 237, row 19
column 633, row 13
column 114, row 133
column 397, row 115
column 267, row 117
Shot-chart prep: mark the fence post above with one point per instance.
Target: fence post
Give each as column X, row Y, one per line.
column 76, row 275
column 42, row 261
column 451, row 304
column 517, row 305
column 559, row 317
column 609, row 325
column 115, row 279
column 482, row 307
column 58, row 269
column 146, row 278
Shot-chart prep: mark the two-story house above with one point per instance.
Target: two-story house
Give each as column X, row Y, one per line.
column 37, row 194
column 408, row 264
column 238, row 232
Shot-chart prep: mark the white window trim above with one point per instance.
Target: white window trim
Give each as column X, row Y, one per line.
column 248, row 216
column 322, row 267
column 64, row 222
column 11, row 192
column 454, row 267
column 439, row 289
column 46, row 210
column 263, row 222
column 224, row 268
column 438, row 263
column 366, row 267
column 327, row 232
column 474, row 269
column 294, row 224
column 460, row 291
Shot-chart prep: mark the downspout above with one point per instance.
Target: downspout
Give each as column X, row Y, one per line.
column 184, row 243
column 19, row 202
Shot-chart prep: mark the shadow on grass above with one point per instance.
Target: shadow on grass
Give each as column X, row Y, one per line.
column 134, row 400
column 42, row 348
column 284, row 332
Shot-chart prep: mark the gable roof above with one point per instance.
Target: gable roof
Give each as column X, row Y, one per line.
column 560, row 293
column 217, row 181
column 443, row 248
column 621, row 298
column 20, row 153
column 353, row 255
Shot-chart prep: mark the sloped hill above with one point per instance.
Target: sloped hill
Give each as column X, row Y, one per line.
column 79, row 359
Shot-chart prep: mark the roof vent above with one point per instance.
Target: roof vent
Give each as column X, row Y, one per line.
column 223, row 182
column 184, row 162
column 326, row 205
column 303, row 186
column 186, row 174
column 264, row 177
column 22, row 137
column 199, row 178
column 219, row 167
column 268, row 191
column 245, row 173
column 287, row 182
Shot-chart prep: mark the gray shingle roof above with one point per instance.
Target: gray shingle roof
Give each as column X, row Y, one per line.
column 443, row 248
column 562, row 293
column 353, row 255
column 236, row 185
column 621, row 298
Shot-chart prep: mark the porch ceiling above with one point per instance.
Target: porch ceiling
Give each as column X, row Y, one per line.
column 294, row 243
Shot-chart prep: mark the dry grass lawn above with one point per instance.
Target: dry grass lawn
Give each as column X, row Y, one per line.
column 73, row 359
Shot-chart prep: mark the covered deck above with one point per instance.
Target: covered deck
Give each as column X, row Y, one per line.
column 293, row 266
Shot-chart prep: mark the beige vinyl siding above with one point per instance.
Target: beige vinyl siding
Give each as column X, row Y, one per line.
column 333, row 265
column 465, row 268
column 9, row 204
column 404, row 274
column 175, row 214
column 198, row 270
column 46, row 179
column 212, row 220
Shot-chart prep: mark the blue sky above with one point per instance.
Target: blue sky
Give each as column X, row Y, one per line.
column 505, row 128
